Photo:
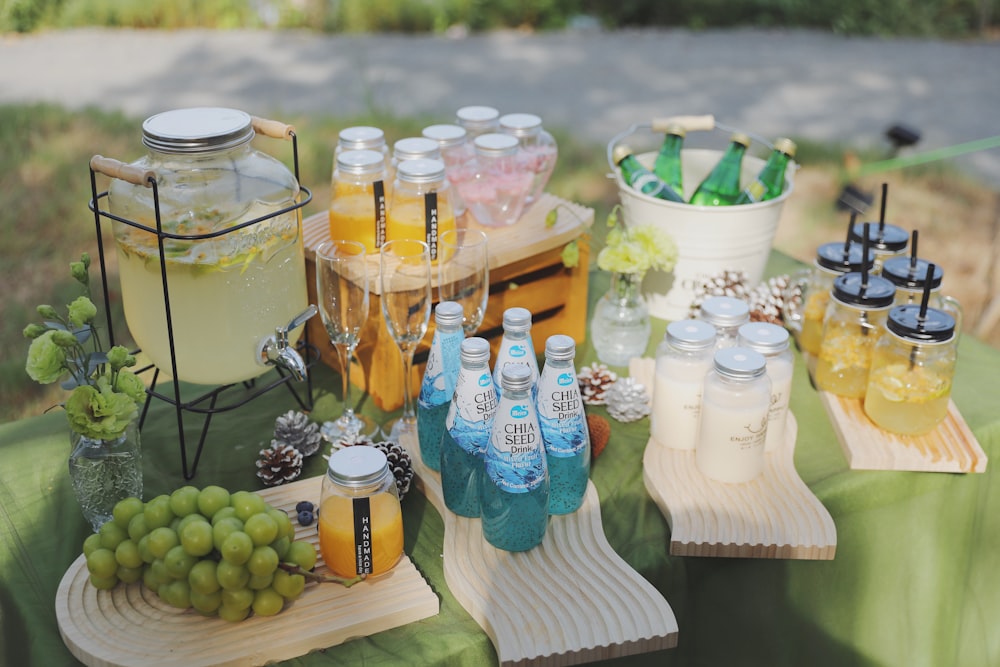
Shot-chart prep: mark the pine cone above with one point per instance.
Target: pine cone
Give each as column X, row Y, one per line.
column 299, row 431
column 279, row 463
column 767, row 300
column 725, row 283
column 628, row 401
column 600, row 433
column 594, row 381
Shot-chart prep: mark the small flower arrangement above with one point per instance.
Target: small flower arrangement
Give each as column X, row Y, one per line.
column 104, row 395
column 636, row 249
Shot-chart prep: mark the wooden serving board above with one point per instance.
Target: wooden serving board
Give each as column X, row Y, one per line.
column 130, row 625
column 570, row 600
column 951, row 447
column 772, row 516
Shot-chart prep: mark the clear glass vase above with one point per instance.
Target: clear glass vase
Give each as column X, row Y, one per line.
column 104, row 472
column 620, row 326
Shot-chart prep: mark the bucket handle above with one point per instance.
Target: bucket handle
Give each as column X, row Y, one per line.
column 689, row 123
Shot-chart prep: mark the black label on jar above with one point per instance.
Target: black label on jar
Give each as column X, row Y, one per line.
column 431, row 223
column 362, row 535
column 378, row 187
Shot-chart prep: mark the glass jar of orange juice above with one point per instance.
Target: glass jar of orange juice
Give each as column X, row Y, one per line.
column 913, row 366
column 420, row 207
column 358, row 199
column 360, row 520
column 853, row 324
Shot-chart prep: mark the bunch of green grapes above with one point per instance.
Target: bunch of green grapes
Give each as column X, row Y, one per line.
column 208, row 549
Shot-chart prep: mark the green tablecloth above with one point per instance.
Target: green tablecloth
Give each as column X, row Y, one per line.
column 914, row 581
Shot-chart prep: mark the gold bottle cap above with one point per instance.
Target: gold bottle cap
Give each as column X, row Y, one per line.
column 676, row 129
column 740, row 138
column 620, row 152
column 785, row 145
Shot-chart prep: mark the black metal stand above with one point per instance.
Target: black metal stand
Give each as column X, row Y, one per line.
column 207, row 404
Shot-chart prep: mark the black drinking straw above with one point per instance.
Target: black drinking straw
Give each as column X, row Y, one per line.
column 925, row 299
column 864, row 279
column 847, row 241
column 881, row 216
column 913, row 253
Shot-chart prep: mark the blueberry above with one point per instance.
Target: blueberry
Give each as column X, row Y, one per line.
column 305, row 517
column 304, row 506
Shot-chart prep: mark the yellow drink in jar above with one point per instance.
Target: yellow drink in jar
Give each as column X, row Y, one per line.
column 905, row 400
column 353, row 218
column 337, row 539
column 407, row 221
column 844, row 358
column 811, row 335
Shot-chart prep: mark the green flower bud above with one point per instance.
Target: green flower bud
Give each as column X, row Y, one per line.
column 48, row 312
column 63, row 338
column 79, row 272
column 129, row 384
column 119, row 357
column 85, row 258
column 82, row 311
column 103, row 414
column 46, row 360
column 34, row 330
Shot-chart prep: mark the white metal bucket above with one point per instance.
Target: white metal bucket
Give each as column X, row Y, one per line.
column 710, row 239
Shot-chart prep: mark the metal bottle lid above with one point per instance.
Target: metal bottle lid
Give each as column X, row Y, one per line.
column 676, row 129
column 620, row 152
column 901, row 273
column 515, row 377
column 446, row 135
column 559, row 347
column 785, row 145
column 740, row 363
column 831, row 256
column 763, row 337
column 421, row 170
column 724, row 311
column 197, row 130
column 448, row 314
column 739, row 138
column 494, row 144
column 850, row 289
column 358, row 466
column 887, row 239
column 412, row 148
column 361, row 137
column 360, row 162
column 517, row 320
column 937, row 326
column 521, row 124
column 477, row 116
column 690, row 335
column 475, row 350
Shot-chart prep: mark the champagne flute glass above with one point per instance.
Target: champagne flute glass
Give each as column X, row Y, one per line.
column 464, row 274
column 342, row 292
column 405, row 275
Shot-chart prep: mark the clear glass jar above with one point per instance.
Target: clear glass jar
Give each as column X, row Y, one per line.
column 683, row 358
column 360, row 520
column 733, row 424
column 911, row 276
column 412, row 148
column 362, row 138
column 477, row 120
column 456, row 153
column 358, row 200
column 230, row 291
column 496, row 194
column 620, row 327
column 853, row 324
column 913, row 366
column 771, row 341
column 420, row 208
column 727, row 314
column 808, row 291
column 538, row 150
column 885, row 240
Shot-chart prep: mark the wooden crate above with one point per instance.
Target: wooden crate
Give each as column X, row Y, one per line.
column 526, row 270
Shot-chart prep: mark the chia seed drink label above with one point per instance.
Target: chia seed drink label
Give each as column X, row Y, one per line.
column 470, row 416
column 515, row 351
column 441, row 372
column 560, row 413
column 515, row 458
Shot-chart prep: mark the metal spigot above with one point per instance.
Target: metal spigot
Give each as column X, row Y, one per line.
column 276, row 350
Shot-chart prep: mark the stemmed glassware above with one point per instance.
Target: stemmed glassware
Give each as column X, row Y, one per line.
column 342, row 292
column 464, row 274
column 405, row 275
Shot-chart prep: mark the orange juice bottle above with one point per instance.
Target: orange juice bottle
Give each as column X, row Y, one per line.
column 358, row 199
column 360, row 521
column 420, row 208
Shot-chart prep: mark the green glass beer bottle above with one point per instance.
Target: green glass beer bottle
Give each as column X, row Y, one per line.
column 640, row 178
column 770, row 182
column 722, row 185
column 668, row 160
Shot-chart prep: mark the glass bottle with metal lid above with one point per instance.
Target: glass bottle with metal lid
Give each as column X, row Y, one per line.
column 420, row 206
column 496, row 193
column 232, row 253
column 771, row 340
column 885, row 240
column 853, row 324
column 683, row 359
column 538, row 150
column 727, row 314
column 358, row 199
column 912, row 275
column 412, row 148
column 360, row 520
column 477, row 120
column 913, row 367
column 362, row 138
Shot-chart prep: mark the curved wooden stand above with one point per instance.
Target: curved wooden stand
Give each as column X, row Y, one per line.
column 570, row 600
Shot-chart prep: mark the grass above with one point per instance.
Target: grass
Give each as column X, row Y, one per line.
column 45, row 222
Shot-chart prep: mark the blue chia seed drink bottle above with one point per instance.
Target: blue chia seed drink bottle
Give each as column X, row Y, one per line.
column 438, row 385
column 516, row 346
column 514, row 502
column 467, row 429
column 564, row 426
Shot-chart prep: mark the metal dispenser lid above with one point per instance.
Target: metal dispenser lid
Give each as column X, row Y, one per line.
column 850, row 289
column 936, row 326
column 905, row 273
column 690, row 335
column 197, row 130
column 740, row 363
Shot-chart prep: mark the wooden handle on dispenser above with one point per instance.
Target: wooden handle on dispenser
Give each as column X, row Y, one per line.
column 123, row 172
column 689, row 123
column 272, row 128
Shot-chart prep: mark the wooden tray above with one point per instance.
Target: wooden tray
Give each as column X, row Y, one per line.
column 130, row 625
column 772, row 516
column 951, row 447
column 570, row 600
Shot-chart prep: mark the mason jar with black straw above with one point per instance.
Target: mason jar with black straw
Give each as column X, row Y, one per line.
column 912, row 275
column 886, row 240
